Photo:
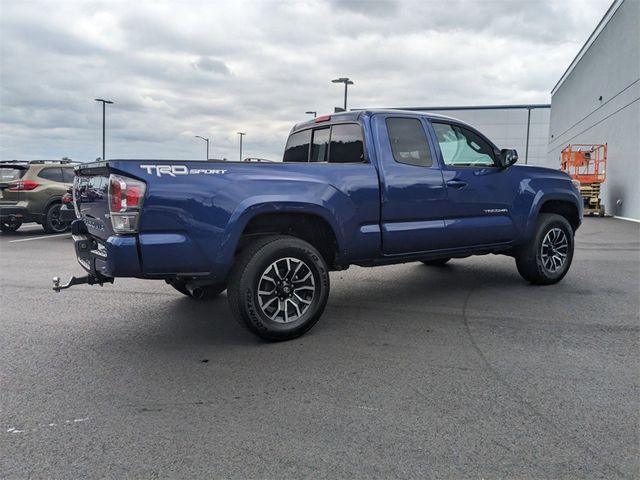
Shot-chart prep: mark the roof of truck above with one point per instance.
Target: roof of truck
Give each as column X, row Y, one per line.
column 357, row 114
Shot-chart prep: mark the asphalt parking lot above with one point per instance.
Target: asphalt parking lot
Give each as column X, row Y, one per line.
column 463, row 371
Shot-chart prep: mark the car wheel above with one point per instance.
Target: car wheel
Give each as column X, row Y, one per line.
column 547, row 257
column 53, row 222
column 201, row 292
column 10, row 225
column 437, row 262
column 279, row 287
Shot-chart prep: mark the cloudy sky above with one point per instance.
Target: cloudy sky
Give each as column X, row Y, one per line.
column 213, row 68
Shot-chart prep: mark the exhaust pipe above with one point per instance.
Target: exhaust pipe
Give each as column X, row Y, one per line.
column 195, row 291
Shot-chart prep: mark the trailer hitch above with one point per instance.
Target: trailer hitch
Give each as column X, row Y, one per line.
column 88, row 279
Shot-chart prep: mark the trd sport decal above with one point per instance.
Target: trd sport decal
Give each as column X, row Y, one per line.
column 173, row 170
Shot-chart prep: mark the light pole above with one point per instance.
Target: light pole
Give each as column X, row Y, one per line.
column 104, row 102
column 206, row 140
column 242, row 134
column 346, row 82
column 311, row 112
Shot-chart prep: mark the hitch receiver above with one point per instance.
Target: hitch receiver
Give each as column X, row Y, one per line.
column 88, row 279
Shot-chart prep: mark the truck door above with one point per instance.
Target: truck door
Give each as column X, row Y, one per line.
column 479, row 192
column 412, row 188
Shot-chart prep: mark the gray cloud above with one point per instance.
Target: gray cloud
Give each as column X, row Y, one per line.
column 368, row 8
column 213, row 68
column 211, row 65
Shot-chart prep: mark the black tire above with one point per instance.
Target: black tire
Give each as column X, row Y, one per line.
column 541, row 261
column 204, row 292
column 10, row 225
column 53, row 223
column 437, row 262
column 302, row 287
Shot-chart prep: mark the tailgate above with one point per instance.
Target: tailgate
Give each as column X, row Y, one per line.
column 8, row 174
column 90, row 194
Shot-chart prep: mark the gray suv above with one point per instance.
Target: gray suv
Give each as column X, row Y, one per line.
column 32, row 192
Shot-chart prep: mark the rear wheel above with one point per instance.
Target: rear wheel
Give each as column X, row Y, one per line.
column 10, row 225
column 437, row 262
column 547, row 257
column 53, row 222
column 279, row 287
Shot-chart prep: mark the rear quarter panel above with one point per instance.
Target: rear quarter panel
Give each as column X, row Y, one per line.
column 192, row 223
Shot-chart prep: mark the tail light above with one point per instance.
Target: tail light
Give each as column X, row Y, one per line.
column 125, row 201
column 19, row 185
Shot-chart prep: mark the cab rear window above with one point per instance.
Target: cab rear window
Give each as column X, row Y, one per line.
column 340, row 143
column 297, row 149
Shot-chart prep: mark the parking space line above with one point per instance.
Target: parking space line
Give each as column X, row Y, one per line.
column 40, row 238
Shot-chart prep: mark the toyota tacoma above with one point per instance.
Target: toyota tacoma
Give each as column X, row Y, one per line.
column 361, row 188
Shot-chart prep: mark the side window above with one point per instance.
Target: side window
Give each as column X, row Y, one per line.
column 67, row 175
column 53, row 174
column 346, row 144
column 320, row 145
column 297, row 149
column 409, row 141
column 463, row 148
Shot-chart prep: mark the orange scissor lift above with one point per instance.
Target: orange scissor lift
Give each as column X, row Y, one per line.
column 587, row 163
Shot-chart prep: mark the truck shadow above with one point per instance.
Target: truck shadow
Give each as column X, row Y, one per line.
column 189, row 322
column 423, row 290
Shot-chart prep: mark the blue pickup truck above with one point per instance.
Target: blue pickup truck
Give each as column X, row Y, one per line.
column 356, row 188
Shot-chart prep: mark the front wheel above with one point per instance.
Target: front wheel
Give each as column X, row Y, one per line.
column 10, row 225
column 279, row 287
column 547, row 257
column 53, row 222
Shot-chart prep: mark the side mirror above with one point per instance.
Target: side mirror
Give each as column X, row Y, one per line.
column 508, row 156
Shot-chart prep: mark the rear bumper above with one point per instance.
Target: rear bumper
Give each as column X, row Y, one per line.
column 115, row 257
column 21, row 213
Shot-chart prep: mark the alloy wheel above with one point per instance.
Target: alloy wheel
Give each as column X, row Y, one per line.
column 554, row 250
column 286, row 290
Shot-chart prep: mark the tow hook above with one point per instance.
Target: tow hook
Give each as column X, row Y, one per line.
column 88, row 279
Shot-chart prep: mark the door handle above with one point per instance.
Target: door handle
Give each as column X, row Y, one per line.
column 456, row 184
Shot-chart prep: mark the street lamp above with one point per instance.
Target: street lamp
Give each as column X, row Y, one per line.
column 312, row 113
column 206, row 140
column 104, row 102
column 242, row 134
column 346, row 82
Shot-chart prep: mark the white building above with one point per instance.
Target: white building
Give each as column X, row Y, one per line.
column 597, row 100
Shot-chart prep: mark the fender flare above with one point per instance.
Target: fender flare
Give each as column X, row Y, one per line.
column 540, row 199
column 265, row 204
